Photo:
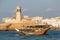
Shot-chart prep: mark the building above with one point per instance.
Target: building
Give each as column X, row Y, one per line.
column 37, row 19
column 18, row 17
column 18, row 14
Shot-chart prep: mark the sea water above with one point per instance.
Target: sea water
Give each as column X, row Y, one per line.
column 13, row 35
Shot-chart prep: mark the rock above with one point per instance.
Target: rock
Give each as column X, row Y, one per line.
column 3, row 27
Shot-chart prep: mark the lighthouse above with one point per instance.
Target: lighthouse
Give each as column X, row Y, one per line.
column 18, row 14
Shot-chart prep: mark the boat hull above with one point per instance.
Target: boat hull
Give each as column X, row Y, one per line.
column 36, row 32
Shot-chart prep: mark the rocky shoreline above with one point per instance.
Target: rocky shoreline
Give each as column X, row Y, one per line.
column 11, row 27
column 8, row 27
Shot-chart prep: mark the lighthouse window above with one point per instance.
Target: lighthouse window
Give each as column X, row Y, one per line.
column 18, row 10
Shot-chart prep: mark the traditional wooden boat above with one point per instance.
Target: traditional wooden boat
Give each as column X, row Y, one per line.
column 40, row 31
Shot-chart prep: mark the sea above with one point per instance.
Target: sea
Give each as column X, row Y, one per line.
column 13, row 35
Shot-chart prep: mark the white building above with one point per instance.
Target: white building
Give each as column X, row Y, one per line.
column 52, row 22
column 37, row 19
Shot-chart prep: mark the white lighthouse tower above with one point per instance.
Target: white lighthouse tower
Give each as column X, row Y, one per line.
column 18, row 14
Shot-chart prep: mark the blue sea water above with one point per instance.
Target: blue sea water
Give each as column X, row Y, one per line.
column 13, row 35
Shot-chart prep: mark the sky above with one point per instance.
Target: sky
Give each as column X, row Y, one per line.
column 43, row 8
